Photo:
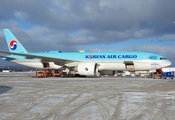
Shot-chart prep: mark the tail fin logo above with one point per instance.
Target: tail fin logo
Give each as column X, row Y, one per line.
column 13, row 45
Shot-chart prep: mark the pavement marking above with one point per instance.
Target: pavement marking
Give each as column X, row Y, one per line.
column 170, row 92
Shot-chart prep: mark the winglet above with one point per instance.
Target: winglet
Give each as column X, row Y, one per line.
column 13, row 44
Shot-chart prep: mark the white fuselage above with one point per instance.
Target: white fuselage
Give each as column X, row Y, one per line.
column 137, row 65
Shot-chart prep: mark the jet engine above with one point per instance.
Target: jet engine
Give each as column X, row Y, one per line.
column 88, row 69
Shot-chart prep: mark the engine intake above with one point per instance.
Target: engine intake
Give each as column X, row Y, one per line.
column 89, row 69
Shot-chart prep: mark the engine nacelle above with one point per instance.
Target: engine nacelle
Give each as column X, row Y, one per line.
column 89, row 69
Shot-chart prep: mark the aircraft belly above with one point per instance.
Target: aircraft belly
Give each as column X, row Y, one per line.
column 33, row 64
column 38, row 64
column 142, row 66
column 125, row 65
column 54, row 66
column 111, row 66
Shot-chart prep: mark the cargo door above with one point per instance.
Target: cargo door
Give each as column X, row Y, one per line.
column 129, row 65
column 46, row 65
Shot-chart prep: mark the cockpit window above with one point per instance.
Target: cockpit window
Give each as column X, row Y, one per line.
column 153, row 57
column 162, row 58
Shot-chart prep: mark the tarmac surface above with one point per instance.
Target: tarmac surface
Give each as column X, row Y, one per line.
column 92, row 98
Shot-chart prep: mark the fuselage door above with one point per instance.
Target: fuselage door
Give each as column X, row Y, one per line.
column 129, row 65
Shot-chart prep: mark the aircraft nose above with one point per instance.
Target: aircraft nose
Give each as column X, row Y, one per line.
column 169, row 63
column 165, row 64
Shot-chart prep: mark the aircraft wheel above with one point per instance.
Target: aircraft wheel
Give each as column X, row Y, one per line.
column 70, row 75
column 160, row 76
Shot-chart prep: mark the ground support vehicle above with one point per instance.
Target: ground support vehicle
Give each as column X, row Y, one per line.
column 47, row 73
column 168, row 75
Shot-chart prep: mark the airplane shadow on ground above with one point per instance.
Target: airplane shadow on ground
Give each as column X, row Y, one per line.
column 4, row 89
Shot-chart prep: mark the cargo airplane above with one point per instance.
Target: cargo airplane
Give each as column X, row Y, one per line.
column 85, row 63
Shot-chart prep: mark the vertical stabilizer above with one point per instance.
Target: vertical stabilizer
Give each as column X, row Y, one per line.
column 13, row 44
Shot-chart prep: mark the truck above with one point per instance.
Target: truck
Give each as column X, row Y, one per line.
column 168, row 75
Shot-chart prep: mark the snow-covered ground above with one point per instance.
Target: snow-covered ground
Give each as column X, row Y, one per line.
column 107, row 98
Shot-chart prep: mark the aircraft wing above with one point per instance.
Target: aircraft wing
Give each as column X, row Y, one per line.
column 57, row 61
column 9, row 57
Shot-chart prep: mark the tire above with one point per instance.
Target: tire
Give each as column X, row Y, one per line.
column 69, row 75
column 160, row 76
